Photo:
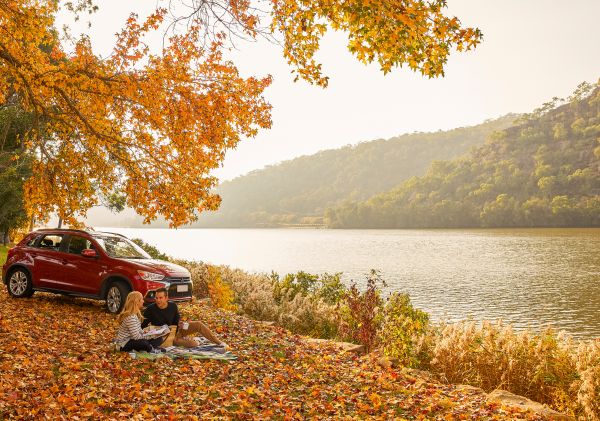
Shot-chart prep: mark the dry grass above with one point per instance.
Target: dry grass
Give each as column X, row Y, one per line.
column 546, row 367
column 254, row 296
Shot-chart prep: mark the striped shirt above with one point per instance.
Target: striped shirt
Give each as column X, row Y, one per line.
column 130, row 328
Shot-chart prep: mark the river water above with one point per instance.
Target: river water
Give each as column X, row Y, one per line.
column 529, row 277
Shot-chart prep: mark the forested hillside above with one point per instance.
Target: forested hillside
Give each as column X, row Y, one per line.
column 543, row 171
column 299, row 191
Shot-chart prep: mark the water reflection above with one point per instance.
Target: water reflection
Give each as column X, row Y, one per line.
column 531, row 278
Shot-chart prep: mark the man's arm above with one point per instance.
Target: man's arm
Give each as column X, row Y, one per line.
column 146, row 320
column 177, row 317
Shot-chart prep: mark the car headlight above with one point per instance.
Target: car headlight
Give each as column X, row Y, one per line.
column 150, row 276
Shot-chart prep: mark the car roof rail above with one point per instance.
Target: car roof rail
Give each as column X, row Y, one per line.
column 111, row 233
column 90, row 232
column 62, row 229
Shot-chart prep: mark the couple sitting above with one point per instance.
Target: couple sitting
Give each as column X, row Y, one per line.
column 132, row 337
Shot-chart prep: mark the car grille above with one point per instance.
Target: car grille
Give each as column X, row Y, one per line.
column 174, row 282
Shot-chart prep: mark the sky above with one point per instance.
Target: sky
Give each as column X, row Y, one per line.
column 532, row 51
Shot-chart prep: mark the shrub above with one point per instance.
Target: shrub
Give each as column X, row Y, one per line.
column 295, row 303
column 360, row 316
column 327, row 287
column 404, row 332
column 221, row 295
column 308, row 315
column 199, row 274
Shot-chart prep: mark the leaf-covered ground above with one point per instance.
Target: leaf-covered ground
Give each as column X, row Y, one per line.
column 55, row 363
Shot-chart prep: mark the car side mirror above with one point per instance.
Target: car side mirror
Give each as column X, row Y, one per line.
column 89, row 253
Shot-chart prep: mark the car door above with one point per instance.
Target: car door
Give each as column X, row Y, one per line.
column 47, row 258
column 83, row 274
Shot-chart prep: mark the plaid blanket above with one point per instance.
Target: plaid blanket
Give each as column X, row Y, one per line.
column 205, row 351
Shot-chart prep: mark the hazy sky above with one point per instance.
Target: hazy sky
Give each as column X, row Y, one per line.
column 532, row 50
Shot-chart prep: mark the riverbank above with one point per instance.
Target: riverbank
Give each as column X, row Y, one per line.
column 55, row 364
column 547, row 366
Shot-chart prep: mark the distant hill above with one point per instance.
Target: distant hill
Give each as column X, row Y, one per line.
column 298, row 191
column 543, row 171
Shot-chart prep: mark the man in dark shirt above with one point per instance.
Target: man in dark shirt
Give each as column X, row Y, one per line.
column 163, row 312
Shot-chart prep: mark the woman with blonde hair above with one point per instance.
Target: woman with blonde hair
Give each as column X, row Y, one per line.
column 130, row 336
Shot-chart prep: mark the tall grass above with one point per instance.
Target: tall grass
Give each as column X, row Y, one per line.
column 548, row 367
column 302, row 303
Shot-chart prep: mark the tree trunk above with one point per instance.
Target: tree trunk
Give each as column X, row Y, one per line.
column 59, row 223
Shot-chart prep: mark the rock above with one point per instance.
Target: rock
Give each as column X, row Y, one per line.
column 510, row 399
column 470, row 390
column 357, row 349
column 316, row 340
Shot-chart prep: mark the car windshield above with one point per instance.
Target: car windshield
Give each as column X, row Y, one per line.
column 120, row 247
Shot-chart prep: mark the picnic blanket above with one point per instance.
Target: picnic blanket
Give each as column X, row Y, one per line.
column 205, row 351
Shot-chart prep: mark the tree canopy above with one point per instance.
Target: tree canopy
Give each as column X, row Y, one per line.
column 153, row 125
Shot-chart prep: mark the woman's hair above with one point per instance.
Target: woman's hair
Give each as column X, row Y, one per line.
column 131, row 306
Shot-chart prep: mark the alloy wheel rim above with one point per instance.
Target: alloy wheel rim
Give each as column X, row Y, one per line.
column 18, row 283
column 114, row 299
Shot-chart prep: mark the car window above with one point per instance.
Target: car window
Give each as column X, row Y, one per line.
column 50, row 241
column 120, row 247
column 32, row 240
column 77, row 244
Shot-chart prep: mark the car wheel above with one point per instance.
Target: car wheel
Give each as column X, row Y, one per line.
column 19, row 284
column 115, row 297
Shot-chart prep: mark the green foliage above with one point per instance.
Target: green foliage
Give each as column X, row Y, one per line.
column 327, row 287
column 403, row 330
column 3, row 253
column 15, row 166
column 297, row 192
column 115, row 202
column 360, row 313
column 544, row 171
column 151, row 250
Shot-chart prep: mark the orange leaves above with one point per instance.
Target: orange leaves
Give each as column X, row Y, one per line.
column 152, row 126
column 391, row 33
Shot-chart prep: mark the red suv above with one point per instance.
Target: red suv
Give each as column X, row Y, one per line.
column 97, row 265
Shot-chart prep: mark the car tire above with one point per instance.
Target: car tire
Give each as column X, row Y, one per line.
column 115, row 296
column 19, row 283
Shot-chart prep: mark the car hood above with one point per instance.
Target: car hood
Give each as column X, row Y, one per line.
column 161, row 266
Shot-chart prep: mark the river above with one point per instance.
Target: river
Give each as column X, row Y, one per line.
column 531, row 278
